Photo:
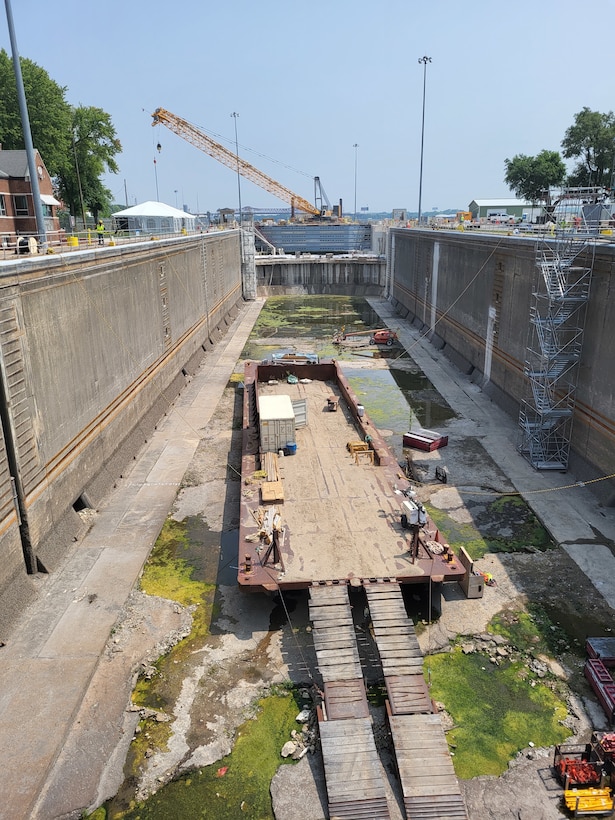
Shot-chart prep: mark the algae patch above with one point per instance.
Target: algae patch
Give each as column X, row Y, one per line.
column 496, row 711
column 505, row 524
column 237, row 785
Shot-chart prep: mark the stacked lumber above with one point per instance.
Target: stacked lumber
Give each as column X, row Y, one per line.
column 271, row 488
column 589, row 801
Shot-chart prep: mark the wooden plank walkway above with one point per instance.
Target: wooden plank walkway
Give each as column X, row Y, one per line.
column 333, row 633
column 353, row 772
column 429, row 783
column 394, row 633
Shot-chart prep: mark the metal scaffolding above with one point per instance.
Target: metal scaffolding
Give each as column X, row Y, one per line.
column 564, row 262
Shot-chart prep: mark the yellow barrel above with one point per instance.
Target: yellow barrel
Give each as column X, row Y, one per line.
column 73, row 241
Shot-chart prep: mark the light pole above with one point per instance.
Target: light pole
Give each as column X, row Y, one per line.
column 234, row 115
column 355, row 146
column 176, row 197
column 39, row 216
column 424, row 61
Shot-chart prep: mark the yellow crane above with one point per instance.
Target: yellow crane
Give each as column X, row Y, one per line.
column 192, row 134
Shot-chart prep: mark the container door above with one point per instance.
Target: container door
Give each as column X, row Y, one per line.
column 300, row 410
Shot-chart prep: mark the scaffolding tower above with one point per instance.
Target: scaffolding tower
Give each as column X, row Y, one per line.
column 564, row 263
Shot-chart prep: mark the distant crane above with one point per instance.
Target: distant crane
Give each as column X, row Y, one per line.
column 192, row 134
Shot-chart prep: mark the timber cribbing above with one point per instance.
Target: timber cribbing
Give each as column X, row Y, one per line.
column 353, row 773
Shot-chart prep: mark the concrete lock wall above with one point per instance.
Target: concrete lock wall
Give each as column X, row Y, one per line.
column 359, row 276
column 93, row 349
column 472, row 295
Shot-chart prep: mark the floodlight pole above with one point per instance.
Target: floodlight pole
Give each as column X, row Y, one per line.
column 355, row 146
column 424, row 61
column 234, row 115
column 27, row 134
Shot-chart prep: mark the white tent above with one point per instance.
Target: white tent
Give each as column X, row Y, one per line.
column 153, row 217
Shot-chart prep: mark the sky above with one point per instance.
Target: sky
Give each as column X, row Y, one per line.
column 310, row 81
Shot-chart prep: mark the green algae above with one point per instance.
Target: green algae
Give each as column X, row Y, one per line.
column 175, row 571
column 384, row 403
column 505, row 524
column 533, row 629
column 170, row 573
column 497, row 710
column 238, row 784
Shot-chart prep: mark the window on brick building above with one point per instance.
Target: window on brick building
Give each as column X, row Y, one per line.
column 20, row 203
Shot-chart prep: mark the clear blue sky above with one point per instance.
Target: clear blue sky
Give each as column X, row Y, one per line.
column 311, row 79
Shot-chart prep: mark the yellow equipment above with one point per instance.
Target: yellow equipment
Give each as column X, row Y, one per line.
column 589, row 802
column 192, row 134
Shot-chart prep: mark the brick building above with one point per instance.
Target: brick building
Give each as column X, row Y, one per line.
column 17, row 215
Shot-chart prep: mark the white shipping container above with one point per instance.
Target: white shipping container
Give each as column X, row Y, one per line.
column 277, row 423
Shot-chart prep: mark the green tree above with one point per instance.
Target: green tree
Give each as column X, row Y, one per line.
column 531, row 178
column 50, row 115
column 94, row 145
column 591, row 140
column 77, row 145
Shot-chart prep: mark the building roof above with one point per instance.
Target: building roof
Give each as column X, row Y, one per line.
column 152, row 208
column 489, row 203
column 15, row 164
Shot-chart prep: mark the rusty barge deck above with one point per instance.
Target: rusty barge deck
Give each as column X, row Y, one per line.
column 326, row 515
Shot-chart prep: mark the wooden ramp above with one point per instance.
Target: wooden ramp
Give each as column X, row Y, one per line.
column 333, row 632
column 429, row 783
column 400, row 653
column 394, row 633
column 353, row 772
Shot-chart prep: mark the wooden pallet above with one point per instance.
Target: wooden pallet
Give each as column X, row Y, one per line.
column 585, row 802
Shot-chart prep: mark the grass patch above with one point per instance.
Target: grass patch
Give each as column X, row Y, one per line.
column 497, row 711
column 243, row 789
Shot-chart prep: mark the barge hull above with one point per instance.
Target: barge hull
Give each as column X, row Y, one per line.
column 337, row 518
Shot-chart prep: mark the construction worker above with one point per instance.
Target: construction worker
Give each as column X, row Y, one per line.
column 100, row 230
column 418, row 519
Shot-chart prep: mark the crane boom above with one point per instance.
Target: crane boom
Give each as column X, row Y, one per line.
column 192, row 134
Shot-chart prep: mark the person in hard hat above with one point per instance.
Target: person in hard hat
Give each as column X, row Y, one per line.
column 100, row 230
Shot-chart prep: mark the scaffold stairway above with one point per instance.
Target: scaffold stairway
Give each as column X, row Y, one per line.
column 564, row 263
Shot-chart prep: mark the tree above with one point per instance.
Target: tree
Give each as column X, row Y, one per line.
column 49, row 113
column 531, row 178
column 77, row 145
column 591, row 139
column 94, row 145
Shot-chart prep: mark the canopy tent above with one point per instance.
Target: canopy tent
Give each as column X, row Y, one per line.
column 153, row 217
